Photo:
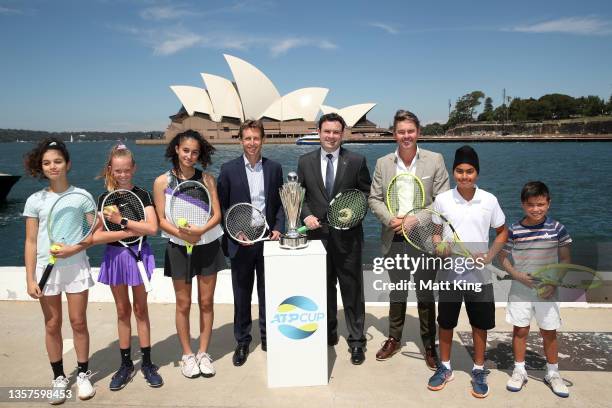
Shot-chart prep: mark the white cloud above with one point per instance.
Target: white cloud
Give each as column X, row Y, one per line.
column 174, row 43
column 384, row 26
column 172, row 40
column 283, row 46
column 165, row 13
column 569, row 25
column 7, row 10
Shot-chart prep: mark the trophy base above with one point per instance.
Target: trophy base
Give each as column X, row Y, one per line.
column 298, row 242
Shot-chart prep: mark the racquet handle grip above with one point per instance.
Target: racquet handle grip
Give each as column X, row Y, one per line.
column 45, row 276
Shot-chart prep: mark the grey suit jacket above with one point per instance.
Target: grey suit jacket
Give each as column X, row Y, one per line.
column 429, row 168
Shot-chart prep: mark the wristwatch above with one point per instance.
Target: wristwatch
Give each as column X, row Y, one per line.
column 124, row 223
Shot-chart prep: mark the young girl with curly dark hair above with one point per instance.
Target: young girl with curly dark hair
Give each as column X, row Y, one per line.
column 185, row 151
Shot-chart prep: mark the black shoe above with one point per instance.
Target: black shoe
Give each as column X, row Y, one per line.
column 240, row 355
column 357, row 355
column 264, row 346
column 332, row 341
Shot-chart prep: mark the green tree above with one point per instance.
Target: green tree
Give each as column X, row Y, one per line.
column 487, row 112
column 433, row 129
column 609, row 106
column 465, row 109
column 591, row 105
column 561, row 106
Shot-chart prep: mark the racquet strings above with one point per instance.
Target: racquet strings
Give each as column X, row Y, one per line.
column 190, row 201
column 245, row 223
column 129, row 207
column 404, row 194
column 347, row 209
column 72, row 219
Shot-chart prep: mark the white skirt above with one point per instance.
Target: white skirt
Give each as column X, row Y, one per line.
column 69, row 278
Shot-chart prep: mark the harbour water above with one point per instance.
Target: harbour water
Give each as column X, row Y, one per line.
column 578, row 175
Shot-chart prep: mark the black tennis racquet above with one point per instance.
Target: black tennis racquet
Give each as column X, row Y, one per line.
column 345, row 211
column 131, row 207
column 190, row 205
column 71, row 219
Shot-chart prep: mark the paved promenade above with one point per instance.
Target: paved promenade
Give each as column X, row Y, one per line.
column 398, row 382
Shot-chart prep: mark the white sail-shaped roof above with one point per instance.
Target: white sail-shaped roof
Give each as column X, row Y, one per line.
column 302, row 103
column 350, row 114
column 257, row 92
column 223, row 95
column 194, row 99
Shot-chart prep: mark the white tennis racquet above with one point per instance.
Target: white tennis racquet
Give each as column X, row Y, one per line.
column 190, row 205
column 71, row 219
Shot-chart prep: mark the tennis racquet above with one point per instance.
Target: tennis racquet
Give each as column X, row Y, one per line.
column 404, row 193
column 432, row 233
column 71, row 219
column 246, row 224
column 131, row 207
column 565, row 275
column 190, row 205
column 345, row 211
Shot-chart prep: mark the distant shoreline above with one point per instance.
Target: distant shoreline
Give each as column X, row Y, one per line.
column 424, row 139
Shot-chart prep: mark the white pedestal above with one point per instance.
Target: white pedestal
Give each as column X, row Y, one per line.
column 296, row 315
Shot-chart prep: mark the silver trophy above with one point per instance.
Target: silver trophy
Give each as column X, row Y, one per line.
column 292, row 196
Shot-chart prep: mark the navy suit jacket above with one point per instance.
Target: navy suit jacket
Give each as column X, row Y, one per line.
column 352, row 173
column 233, row 188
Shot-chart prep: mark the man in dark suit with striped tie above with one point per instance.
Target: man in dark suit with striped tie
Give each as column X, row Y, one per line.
column 252, row 179
column 324, row 173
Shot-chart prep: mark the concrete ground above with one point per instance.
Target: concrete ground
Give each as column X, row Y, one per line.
column 400, row 381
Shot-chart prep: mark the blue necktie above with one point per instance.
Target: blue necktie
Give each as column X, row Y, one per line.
column 329, row 175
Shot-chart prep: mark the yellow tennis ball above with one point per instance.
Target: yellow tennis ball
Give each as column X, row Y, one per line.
column 345, row 214
column 441, row 247
column 540, row 291
column 111, row 208
column 55, row 247
column 182, row 222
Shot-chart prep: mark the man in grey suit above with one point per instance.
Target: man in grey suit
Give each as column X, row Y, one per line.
column 429, row 167
column 324, row 173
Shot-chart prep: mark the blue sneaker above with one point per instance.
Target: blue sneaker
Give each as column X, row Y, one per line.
column 480, row 389
column 440, row 378
column 123, row 376
column 151, row 376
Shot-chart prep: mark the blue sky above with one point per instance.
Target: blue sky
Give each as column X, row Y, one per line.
column 108, row 64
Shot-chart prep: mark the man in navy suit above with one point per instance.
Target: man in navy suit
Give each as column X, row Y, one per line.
column 324, row 173
column 252, row 179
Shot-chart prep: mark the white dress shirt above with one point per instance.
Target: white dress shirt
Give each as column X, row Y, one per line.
column 335, row 154
column 255, row 177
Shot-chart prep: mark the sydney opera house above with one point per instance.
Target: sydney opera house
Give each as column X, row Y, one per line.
column 217, row 110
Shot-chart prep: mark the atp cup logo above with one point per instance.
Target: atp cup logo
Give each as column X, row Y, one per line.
column 297, row 317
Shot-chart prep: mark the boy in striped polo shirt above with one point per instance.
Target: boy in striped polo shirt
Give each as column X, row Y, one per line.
column 534, row 241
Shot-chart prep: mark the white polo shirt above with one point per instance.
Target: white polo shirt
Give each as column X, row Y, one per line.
column 472, row 219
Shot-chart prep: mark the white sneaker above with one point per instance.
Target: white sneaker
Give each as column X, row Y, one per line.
column 556, row 384
column 205, row 362
column 85, row 389
column 518, row 379
column 58, row 394
column 189, row 366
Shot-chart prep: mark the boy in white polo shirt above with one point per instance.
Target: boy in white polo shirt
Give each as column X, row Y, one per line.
column 536, row 240
column 473, row 212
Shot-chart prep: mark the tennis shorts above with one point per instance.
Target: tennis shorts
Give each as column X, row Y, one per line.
column 206, row 260
column 547, row 314
column 480, row 307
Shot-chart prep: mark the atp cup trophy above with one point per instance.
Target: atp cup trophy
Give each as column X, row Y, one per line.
column 292, row 196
